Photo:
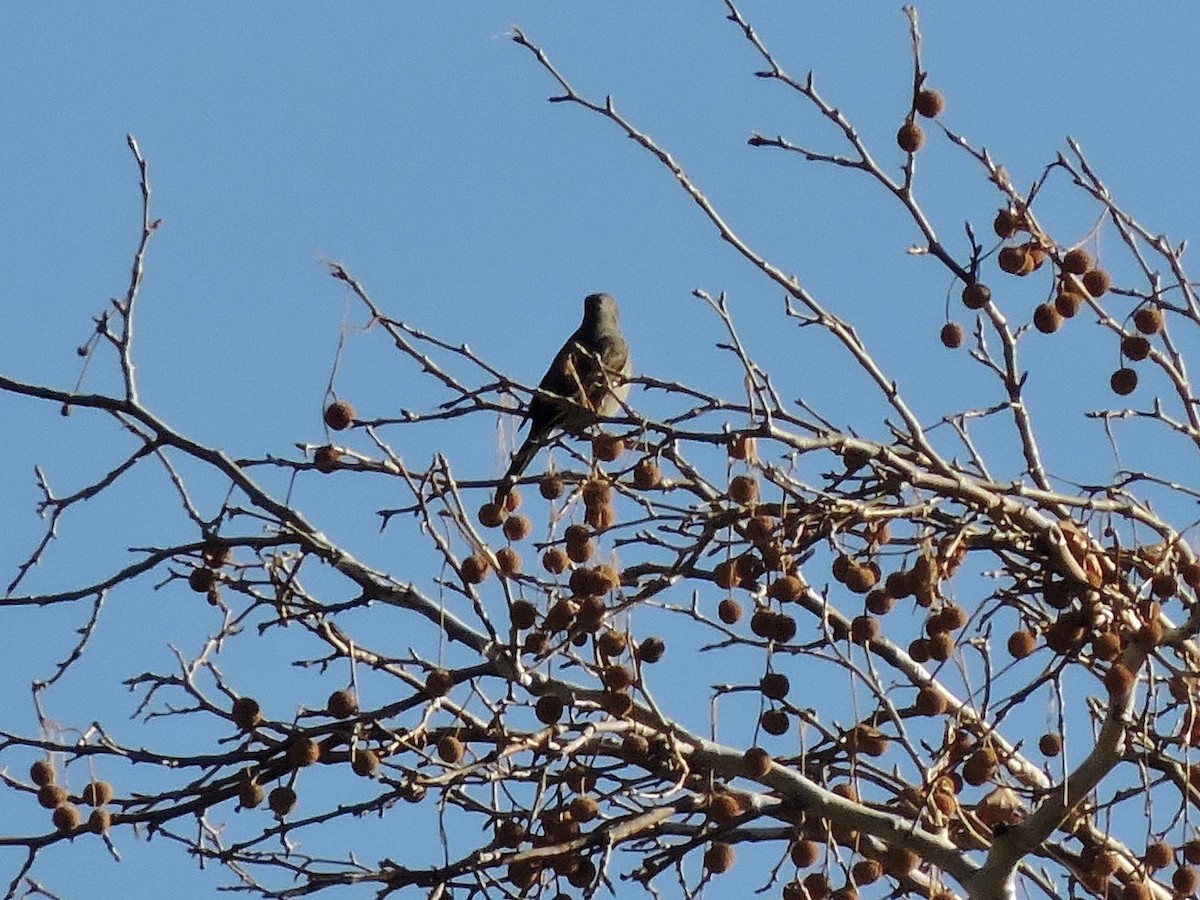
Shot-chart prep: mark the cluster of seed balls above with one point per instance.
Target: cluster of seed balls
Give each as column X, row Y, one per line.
column 66, row 815
column 1077, row 271
column 301, row 751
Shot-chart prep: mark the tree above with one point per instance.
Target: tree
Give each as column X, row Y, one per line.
column 884, row 610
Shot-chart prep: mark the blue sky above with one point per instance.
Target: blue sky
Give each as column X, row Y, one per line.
column 414, row 144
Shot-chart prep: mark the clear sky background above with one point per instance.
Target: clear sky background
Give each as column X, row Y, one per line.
column 414, row 144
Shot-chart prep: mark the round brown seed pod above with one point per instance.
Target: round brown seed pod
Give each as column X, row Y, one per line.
column 281, row 800
column 864, row 629
column 1159, row 855
column 510, row 833
column 555, row 560
column 250, row 794
column 66, row 817
column 549, row 709
column 929, row 103
column 1164, row 585
column 867, row 871
column 560, row 616
column 804, row 853
column 725, row 574
column 607, row 447
column 325, row 458
column 523, row 614
column 1068, row 303
column 786, row 589
column 51, row 795
column 774, row 685
column 616, row 678
column 1191, row 851
column 1123, row 381
column 246, row 713
column 517, row 528
column 910, row 137
column 1050, row 743
column 1184, row 881
column 774, row 722
column 438, row 683
column 980, row 766
column 718, row 857
column 1119, row 679
column 303, row 751
column 449, row 749
column 551, row 486
column 951, row 335
column 723, row 808
column 1148, row 320
column 646, row 475
column 491, row 515
column 1077, row 261
column 880, row 602
column 475, row 568
column 651, row 649
column 99, row 821
column 1190, row 573
column 96, row 793
column 860, row 577
column 919, row 650
column 743, row 489
column 1097, row 282
column 581, row 553
column 1013, row 260
column 512, row 500
column 729, row 611
column 536, row 642
column 1047, row 319
column 1135, row 347
column 899, row 861
column 339, row 415
column 929, row 702
column 817, row 885
column 1107, row 645
column 201, row 580
column 41, row 772
column 952, row 617
column 611, row 643
column 364, row 762
column 342, row 704
column 596, row 493
column 941, row 646
column 508, row 561
column 757, row 762
column 584, row 808
column 976, row 295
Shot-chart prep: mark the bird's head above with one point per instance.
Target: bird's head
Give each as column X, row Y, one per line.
column 599, row 308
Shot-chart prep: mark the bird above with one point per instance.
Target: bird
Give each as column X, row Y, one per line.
column 590, row 373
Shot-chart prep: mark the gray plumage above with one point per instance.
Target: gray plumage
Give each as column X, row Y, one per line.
column 590, row 390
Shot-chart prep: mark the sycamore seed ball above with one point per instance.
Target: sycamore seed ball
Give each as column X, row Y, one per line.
column 342, row 704
column 1097, row 282
column 976, row 295
column 1148, row 320
column 281, row 800
column 951, row 335
column 66, row 817
column 339, row 416
column 1123, row 381
column 910, row 137
column 930, row 103
column 1076, row 262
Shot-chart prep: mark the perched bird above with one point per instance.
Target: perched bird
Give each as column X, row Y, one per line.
column 589, row 372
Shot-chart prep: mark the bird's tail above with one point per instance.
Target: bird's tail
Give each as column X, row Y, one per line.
column 521, row 459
